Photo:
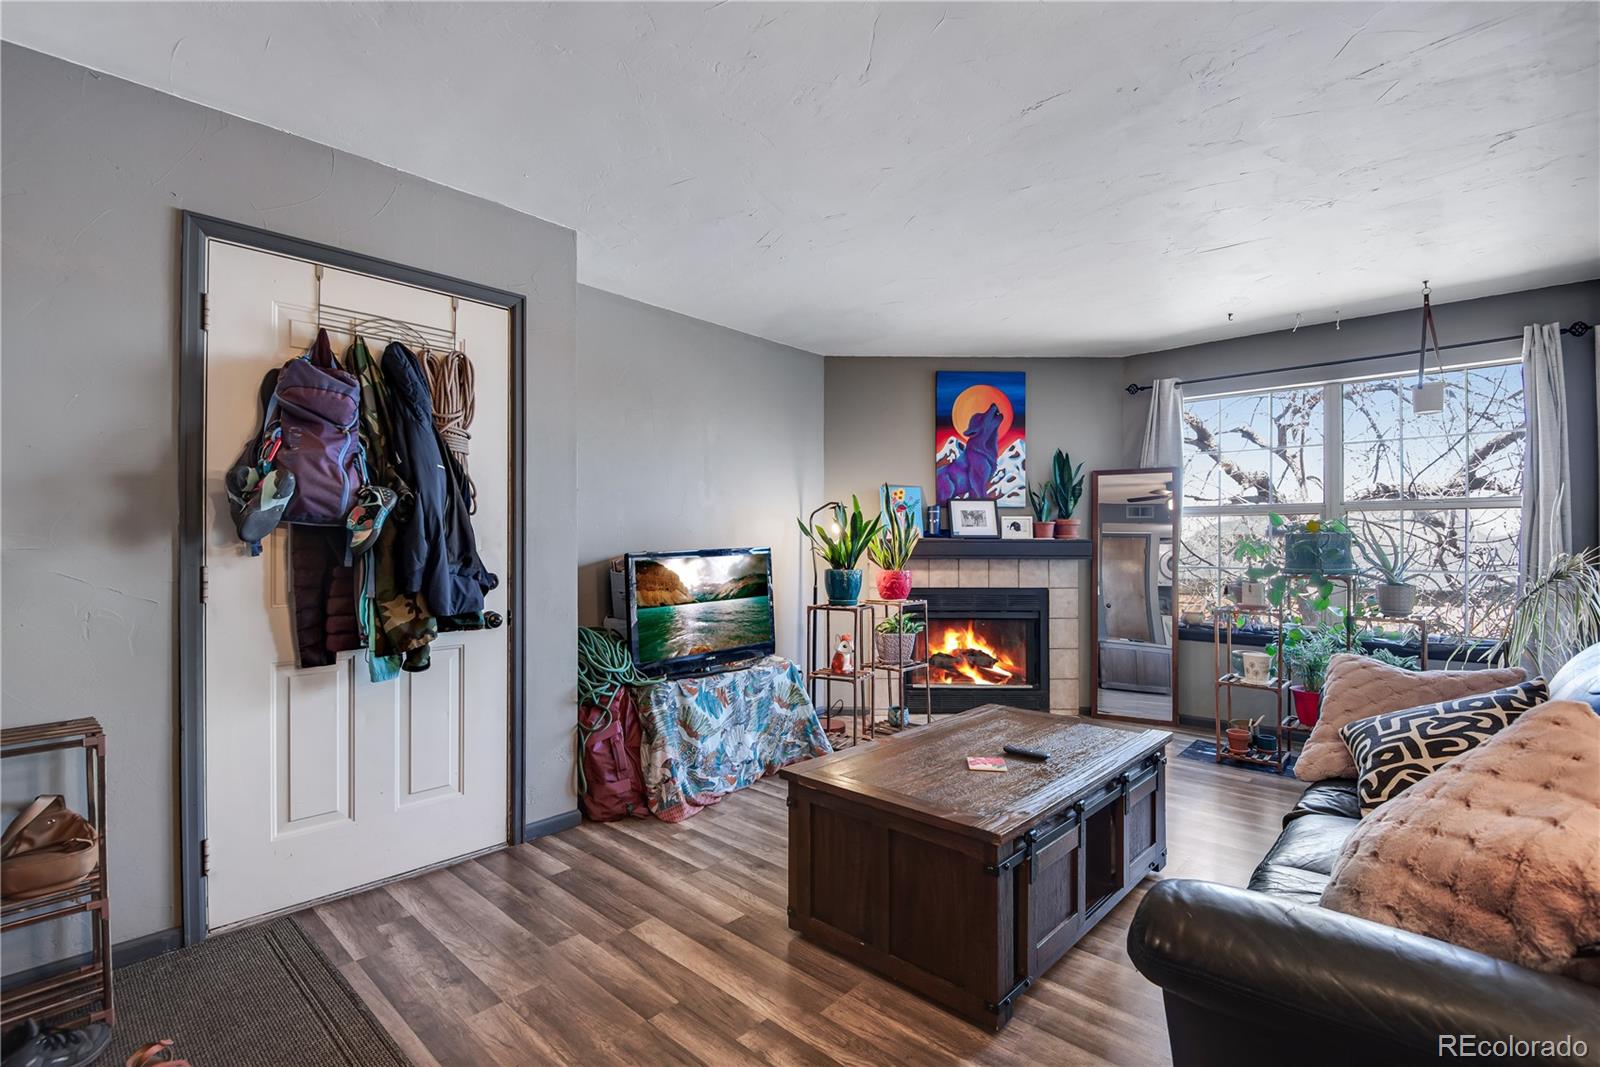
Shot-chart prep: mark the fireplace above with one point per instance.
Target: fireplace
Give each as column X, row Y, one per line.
column 985, row 646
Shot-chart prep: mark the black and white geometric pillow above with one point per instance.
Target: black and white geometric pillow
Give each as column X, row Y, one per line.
column 1396, row 750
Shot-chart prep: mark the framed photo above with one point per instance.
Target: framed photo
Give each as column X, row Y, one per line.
column 1016, row 527
column 974, row 518
column 900, row 500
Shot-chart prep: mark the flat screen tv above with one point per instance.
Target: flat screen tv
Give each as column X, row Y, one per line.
column 698, row 611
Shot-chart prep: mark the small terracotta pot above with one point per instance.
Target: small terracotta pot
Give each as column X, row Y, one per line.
column 1307, row 706
column 1044, row 529
column 1238, row 740
column 894, row 585
column 1067, row 529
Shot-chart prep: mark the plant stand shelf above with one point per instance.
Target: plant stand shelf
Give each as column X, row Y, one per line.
column 1223, row 619
column 895, row 673
column 861, row 620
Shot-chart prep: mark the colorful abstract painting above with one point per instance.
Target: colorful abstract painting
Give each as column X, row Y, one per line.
column 980, row 436
column 899, row 500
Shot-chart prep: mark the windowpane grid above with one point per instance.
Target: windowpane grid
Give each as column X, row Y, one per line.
column 1445, row 488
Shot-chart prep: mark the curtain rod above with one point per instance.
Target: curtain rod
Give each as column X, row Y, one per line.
column 1577, row 329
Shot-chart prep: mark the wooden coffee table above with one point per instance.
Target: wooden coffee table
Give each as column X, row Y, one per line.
column 966, row 886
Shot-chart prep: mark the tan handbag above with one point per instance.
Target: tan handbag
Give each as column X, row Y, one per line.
column 46, row 848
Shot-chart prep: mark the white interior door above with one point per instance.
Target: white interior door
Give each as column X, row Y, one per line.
column 319, row 781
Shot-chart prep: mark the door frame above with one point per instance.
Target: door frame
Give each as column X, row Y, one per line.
column 197, row 229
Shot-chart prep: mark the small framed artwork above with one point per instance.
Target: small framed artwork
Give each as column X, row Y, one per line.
column 901, row 500
column 1016, row 527
column 974, row 518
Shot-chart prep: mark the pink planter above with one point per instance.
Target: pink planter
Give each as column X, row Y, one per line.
column 894, row 585
column 1307, row 706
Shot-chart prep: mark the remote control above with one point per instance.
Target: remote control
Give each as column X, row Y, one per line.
column 1026, row 753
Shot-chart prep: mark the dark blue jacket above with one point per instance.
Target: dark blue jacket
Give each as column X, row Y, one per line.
column 435, row 552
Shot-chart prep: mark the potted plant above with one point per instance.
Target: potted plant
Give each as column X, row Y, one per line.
column 896, row 639
column 1396, row 596
column 891, row 551
column 1042, row 501
column 1066, row 489
column 1306, row 652
column 1312, row 542
column 842, row 549
column 1557, row 616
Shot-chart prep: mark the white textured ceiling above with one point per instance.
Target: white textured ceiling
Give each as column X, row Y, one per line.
column 1082, row 179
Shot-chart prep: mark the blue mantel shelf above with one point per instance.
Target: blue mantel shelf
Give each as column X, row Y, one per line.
column 1000, row 548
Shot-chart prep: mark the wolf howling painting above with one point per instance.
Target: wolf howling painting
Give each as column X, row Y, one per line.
column 979, row 436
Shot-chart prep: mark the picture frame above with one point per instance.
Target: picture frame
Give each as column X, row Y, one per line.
column 974, row 518
column 901, row 500
column 1016, row 528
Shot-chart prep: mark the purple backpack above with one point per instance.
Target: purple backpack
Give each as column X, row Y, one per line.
column 311, row 430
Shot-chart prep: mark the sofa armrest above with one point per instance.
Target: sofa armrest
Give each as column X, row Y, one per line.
column 1244, row 955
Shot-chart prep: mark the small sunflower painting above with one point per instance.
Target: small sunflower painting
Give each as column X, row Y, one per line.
column 898, row 500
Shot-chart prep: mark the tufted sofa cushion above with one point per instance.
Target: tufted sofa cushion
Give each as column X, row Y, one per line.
column 1357, row 687
column 1497, row 851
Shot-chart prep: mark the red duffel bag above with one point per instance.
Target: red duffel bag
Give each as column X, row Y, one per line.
column 612, row 786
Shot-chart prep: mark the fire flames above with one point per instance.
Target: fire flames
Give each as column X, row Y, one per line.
column 962, row 655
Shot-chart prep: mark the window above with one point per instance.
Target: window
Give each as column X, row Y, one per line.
column 1446, row 488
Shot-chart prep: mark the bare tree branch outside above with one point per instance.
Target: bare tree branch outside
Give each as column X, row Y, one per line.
column 1445, row 487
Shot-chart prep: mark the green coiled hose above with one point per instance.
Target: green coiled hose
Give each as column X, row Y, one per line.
column 604, row 666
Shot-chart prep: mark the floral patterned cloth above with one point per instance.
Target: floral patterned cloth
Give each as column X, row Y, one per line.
column 704, row 738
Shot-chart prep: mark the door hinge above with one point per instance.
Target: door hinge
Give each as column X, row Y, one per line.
column 205, row 584
column 205, row 311
column 205, row 857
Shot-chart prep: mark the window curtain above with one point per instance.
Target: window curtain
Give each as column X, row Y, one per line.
column 1163, row 429
column 1546, row 471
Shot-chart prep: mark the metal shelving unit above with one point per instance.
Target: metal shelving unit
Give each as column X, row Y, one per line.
column 81, row 988
column 895, row 673
column 1222, row 620
column 862, row 681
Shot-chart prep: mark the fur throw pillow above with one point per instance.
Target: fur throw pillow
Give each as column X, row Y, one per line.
column 1497, row 851
column 1396, row 750
column 1357, row 687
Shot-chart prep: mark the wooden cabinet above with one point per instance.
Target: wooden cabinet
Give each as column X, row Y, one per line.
column 967, row 886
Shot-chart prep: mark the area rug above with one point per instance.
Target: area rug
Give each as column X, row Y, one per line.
column 259, row 997
column 1206, row 752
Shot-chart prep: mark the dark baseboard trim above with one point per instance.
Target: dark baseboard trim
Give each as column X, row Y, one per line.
column 553, row 825
column 123, row 954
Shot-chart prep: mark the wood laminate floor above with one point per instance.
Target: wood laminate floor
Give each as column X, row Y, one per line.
column 644, row 942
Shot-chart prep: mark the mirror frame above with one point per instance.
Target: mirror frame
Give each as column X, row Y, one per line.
column 1094, row 591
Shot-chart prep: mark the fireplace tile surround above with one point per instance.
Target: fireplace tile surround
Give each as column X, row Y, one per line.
column 1063, row 578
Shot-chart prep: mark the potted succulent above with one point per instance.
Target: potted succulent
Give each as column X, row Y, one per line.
column 896, row 639
column 1043, row 503
column 1396, row 596
column 891, row 551
column 842, row 549
column 1066, row 489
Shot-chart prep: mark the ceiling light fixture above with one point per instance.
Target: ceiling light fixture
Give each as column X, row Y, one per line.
column 1427, row 398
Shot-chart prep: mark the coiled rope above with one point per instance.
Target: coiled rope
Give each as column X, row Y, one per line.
column 450, row 380
column 604, row 666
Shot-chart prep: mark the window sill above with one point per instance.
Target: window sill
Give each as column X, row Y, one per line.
column 1441, row 652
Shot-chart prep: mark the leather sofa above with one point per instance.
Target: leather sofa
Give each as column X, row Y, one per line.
column 1265, row 975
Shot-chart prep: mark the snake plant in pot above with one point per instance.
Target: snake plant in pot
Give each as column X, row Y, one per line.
column 842, row 549
column 1043, row 502
column 891, row 551
column 1066, row 489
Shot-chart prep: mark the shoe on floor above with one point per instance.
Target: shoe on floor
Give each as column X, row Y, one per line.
column 31, row 1045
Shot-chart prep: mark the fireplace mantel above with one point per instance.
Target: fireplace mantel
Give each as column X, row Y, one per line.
column 1000, row 548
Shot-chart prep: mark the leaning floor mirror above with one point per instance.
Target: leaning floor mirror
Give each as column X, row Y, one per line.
column 1133, row 518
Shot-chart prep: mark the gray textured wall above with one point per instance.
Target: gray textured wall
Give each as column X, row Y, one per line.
column 692, row 436
column 878, row 418
column 97, row 171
